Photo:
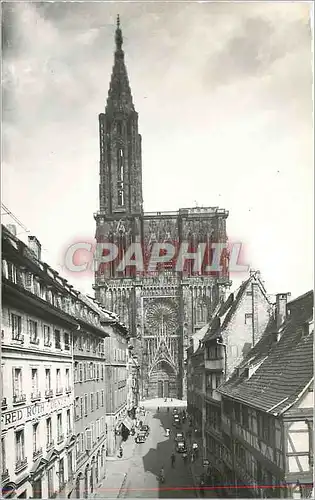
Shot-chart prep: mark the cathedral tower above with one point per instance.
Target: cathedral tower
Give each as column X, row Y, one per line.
column 162, row 309
column 120, row 143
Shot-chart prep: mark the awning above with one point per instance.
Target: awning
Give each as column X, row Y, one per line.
column 128, row 423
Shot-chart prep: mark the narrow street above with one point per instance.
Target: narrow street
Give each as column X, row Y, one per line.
column 149, row 457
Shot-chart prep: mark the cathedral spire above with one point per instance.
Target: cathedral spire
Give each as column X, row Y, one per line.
column 119, row 95
column 118, row 37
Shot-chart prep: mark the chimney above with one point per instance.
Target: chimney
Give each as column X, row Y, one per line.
column 254, row 273
column 35, row 246
column 281, row 307
column 12, row 228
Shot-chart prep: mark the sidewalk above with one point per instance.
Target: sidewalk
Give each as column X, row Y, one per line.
column 117, row 470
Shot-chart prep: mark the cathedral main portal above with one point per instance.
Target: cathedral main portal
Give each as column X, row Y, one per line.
column 161, row 347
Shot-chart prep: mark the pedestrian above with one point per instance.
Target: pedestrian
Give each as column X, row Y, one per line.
column 173, row 458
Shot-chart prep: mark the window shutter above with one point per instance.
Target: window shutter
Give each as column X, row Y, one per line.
column 88, row 439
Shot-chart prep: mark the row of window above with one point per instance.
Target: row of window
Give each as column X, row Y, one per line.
column 87, row 439
column 86, row 371
column 38, row 331
column 89, row 343
column 213, row 381
column 82, row 406
column 34, row 284
column 214, row 352
column 213, row 417
column 22, row 458
column 20, row 397
column 258, row 422
column 251, row 465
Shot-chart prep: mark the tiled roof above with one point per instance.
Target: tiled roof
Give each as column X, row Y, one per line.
column 286, row 365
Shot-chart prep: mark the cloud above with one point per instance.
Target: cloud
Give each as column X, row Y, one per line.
column 223, row 92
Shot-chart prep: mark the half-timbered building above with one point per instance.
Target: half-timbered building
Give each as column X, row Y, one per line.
column 267, row 408
column 236, row 327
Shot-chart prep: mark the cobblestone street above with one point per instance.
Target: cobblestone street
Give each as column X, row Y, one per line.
column 136, row 474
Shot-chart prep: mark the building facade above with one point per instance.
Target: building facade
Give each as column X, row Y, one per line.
column 267, row 408
column 236, row 326
column 133, row 379
column 196, row 377
column 163, row 307
column 234, row 330
column 37, row 433
column 116, row 363
column 53, row 431
column 89, row 400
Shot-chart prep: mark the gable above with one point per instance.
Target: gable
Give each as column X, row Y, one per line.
column 306, row 400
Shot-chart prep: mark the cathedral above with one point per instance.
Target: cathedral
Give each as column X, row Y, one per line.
column 163, row 308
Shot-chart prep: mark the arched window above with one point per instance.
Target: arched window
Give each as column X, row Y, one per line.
column 202, row 312
column 120, row 178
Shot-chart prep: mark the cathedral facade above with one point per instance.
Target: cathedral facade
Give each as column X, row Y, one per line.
column 162, row 308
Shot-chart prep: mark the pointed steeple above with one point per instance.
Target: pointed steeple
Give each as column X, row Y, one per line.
column 119, row 94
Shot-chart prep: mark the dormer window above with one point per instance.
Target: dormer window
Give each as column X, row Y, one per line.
column 307, row 328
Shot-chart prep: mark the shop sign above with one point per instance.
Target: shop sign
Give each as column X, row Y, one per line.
column 15, row 417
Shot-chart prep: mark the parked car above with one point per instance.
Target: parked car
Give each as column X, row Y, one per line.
column 145, row 429
column 181, row 447
column 141, row 437
column 179, row 436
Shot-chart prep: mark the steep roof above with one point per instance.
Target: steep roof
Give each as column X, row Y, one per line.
column 281, row 369
column 225, row 313
column 119, row 94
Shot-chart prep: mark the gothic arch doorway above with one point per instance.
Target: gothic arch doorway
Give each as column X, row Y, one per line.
column 163, row 381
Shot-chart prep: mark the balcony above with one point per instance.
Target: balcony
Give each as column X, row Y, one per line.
column 4, row 403
column 68, row 390
column 50, row 444
column 49, row 393
column 20, row 465
column 37, row 453
column 216, row 365
column 59, row 391
column 19, row 399
column 4, row 475
column 60, row 438
column 35, row 396
column 47, row 343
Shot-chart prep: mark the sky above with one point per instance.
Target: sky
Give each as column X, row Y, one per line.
column 224, row 96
